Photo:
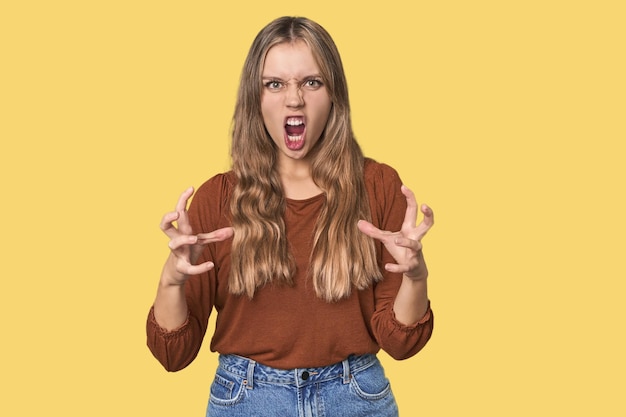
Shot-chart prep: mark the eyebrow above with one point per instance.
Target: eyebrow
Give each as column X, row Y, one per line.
column 306, row 77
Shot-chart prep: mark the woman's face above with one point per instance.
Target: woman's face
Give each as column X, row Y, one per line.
column 295, row 103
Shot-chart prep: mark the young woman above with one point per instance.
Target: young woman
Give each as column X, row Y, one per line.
column 309, row 252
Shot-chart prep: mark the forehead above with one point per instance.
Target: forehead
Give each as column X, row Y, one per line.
column 289, row 60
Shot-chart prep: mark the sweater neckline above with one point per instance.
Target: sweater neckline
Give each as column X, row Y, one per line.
column 297, row 202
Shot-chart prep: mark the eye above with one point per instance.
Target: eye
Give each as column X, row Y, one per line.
column 312, row 84
column 273, row 85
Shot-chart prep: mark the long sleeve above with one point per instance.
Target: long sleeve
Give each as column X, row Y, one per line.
column 178, row 348
column 388, row 210
column 279, row 326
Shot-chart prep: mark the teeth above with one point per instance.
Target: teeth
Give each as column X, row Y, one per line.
column 294, row 121
column 294, row 138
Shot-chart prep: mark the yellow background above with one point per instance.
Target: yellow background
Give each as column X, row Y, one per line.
column 507, row 117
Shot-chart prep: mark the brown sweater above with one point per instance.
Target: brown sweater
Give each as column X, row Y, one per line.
column 290, row 327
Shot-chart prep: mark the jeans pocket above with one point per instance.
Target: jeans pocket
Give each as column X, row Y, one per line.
column 371, row 383
column 226, row 389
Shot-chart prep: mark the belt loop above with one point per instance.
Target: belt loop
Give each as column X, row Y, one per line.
column 250, row 376
column 346, row 371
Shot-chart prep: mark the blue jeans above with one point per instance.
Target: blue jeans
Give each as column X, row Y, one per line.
column 355, row 387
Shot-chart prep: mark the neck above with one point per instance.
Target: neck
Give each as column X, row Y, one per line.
column 296, row 179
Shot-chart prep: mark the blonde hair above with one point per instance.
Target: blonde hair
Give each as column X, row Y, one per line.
column 342, row 256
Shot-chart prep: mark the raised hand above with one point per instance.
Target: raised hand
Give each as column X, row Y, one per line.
column 184, row 245
column 405, row 245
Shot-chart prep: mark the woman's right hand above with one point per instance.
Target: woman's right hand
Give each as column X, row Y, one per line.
column 184, row 245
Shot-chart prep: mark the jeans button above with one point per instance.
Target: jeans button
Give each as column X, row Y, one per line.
column 305, row 375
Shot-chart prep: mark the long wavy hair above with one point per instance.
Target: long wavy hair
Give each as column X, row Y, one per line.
column 342, row 256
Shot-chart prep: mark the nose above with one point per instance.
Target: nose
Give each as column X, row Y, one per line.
column 294, row 96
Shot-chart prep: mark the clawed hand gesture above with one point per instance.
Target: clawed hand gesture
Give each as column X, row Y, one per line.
column 184, row 245
column 405, row 245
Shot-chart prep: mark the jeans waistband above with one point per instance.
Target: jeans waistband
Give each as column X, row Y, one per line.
column 253, row 371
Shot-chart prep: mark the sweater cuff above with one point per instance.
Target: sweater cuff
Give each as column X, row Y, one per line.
column 164, row 332
column 400, row 326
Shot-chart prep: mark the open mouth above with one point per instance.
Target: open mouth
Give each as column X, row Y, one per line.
column 294, row 132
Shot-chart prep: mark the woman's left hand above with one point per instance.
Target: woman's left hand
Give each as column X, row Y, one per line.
column 405, row 245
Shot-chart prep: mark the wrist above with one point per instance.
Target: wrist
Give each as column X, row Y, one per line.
column 418, row 277
column 166, row 284
column 411, row 302
column 413, row 282
column 418, row 274
column 170, row 277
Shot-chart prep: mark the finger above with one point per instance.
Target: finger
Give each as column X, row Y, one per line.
column 429, row 215
column 182, row 240
column 181, row 209
column 427, row 222
column 410, row 218
column 199, row 269
column 167, row 220
column 411, row 244
column 181, row 205
column 398, row 269
column 167, row 224
column 189, row 269
column 218, row 235
column 372, row 231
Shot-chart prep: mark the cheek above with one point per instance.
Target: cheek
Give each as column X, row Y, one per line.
column 327, row 105
column 267, row 117
column 268, row 110
column 324, row 114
